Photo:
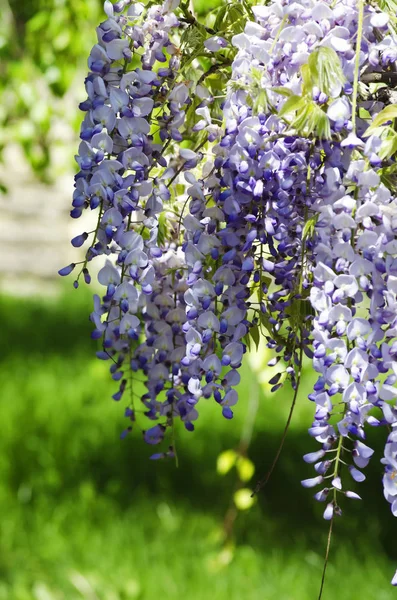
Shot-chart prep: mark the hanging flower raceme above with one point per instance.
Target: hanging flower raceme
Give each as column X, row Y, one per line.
column 261, row 201
column 352, row 241
column 129, row 161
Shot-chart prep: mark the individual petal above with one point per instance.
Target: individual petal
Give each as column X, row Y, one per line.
column 215, row 43
column 154, row 435
column 329, row 511
column 313, row 457
column 356, row 474
column 312, row 482
column 109, row 274
column 66, row 270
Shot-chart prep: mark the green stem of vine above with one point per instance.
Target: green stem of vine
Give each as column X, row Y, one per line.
column 357, row 62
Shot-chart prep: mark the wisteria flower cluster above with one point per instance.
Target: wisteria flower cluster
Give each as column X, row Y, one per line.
column 245, row 186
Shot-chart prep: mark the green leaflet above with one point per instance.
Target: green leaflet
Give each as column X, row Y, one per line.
column 192, row 43
column 318, row 121
column 220, row 17
column 255, row 335
column 280, row 339
column 300, row 308
column 388, row 176
column 247, row 341
column 252, row 337
column 249, row 10
column 325, row 69
column 386, row 133
column 389, row 145
column 283, row 91
column 163, row 228
column 309, row 116
column 293, row 104
column 230, row 16
column 308, row 229
column 387, row 114
column 260, row 102
column 307, row 82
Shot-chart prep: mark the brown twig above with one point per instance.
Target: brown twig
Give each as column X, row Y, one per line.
column 188, row 17
column 213, row 69
column 383, row 77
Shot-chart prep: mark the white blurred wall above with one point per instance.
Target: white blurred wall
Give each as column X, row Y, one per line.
column 35, row 228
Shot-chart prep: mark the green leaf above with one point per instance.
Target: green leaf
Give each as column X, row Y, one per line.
column 388, row 176
column 231, row 16
column 308, row 229
column 307, row 83
column 363, row 113
column 312, row 119
column 237, row 18
column 192, row 43
column 325, row 69
column 375, row 131
column 249, row 10
column 255, row 335
column 260, row 102
column 319, row 122
column 389, row 146
column 300, row 308
column 163, row 227
column 243, row 500
column 247, row 341
column 226, row 461
column 245, row 468
column 387, row 114
column 220, row 17
column 283, row 91
column 275, row 335
column 145, row 234
column 293, row 104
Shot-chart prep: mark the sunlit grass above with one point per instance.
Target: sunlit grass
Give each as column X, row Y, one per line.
column 86, row 515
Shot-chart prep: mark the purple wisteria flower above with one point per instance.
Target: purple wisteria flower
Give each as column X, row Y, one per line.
column 268, row 210
column 390, row 476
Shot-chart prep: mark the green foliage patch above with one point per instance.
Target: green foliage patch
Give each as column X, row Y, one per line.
column 87, row 516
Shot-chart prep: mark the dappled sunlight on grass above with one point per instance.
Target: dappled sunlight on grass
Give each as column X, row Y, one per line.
column 87, row 515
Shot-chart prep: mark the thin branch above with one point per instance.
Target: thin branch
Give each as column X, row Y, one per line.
column 326, row 559
column 357, row 62
column 179, row 171
column 262, row 482
column 383, row 77
column 188, row 17
column 181, row 216
column 213, row 69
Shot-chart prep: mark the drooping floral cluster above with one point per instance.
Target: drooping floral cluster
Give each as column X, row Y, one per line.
column 273, row 213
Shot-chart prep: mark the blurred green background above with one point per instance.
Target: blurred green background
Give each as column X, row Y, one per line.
column 85, row 515
column 44, row 45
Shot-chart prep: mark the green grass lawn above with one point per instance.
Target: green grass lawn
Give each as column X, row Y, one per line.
column 85, row 515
